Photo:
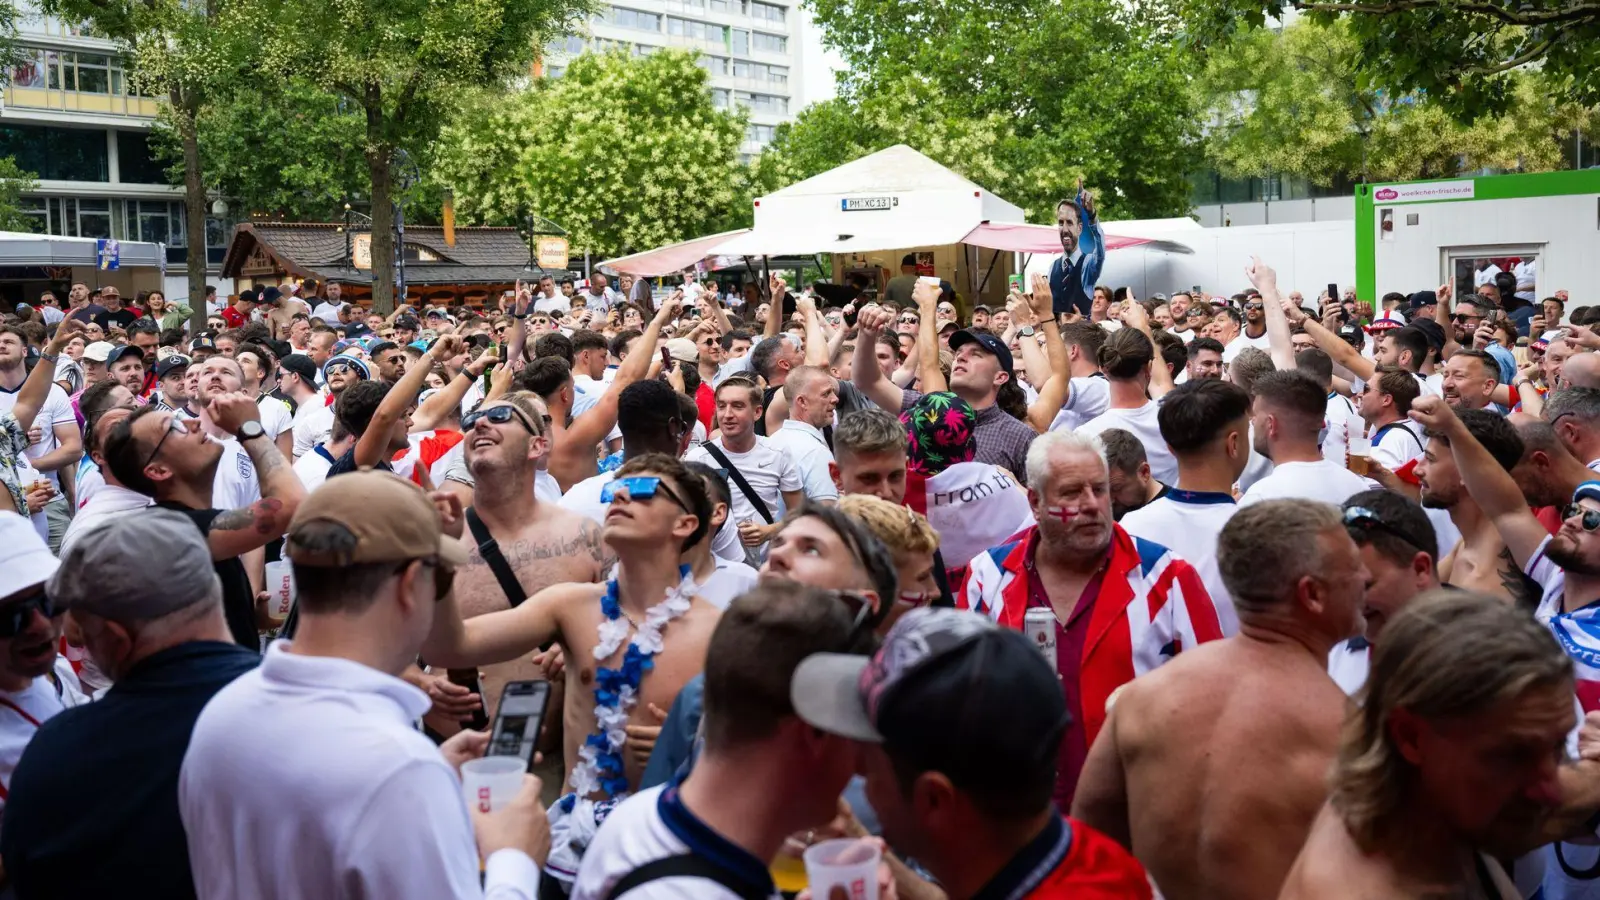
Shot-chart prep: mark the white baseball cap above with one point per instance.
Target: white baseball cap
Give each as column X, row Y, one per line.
column 99, row 351
column 25, row 561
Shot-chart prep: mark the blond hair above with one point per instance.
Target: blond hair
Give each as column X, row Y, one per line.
column 1448, row 654
column 902, row 530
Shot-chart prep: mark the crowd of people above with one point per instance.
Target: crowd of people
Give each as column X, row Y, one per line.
column 1201, row 596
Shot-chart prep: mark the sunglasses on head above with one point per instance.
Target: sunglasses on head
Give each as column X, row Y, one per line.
column 1591, row 517
column 641, row 487
column 1366, row 520
column 497, row 415
column 15, row 617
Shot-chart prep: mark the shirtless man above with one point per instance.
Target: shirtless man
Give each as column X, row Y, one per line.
column 543, row 543
column 1422, row 800
column 1164, row 777
column 658, row 509
column 1481, row 561
column 280, row 309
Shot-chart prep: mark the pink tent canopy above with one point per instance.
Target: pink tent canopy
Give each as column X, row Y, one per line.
column 1020, row 238
column 671, row 258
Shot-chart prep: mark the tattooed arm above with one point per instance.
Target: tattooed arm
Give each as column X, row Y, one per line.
column 235, row 532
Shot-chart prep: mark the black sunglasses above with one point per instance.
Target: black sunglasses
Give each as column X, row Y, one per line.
column 16, row 616
column 1366, row 520
column 861, row 605
column 444, row 577
column 499, row 415
column 1591, row 517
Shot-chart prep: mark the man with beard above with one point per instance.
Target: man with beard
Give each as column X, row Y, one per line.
column 512, row 531
column 1163, row 777
column 1451, row 761
column 644, row 634
column 1399, row 552
column 1132, row 485
column 1287, row 410
column 1548, row 472
column 1469, row 377
column 1480, row 562
column 390, row 360
column 1254, row 333
column 1083, row 567
column 1205, row 360
column 125, row 365
column 1073, row 275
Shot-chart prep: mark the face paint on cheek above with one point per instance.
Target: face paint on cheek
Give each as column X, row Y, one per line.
column 1067, row 514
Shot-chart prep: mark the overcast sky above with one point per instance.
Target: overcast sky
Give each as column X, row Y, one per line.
column 817, row 63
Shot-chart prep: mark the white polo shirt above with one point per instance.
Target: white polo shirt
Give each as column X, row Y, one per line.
column 313, row 425
column 806, row 446
column 306, row 778
column 1320, row 480
column 1187, row 523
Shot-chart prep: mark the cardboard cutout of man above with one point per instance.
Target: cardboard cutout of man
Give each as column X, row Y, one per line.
column 1083, row 247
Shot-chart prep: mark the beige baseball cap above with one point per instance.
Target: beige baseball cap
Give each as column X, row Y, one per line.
column 392, row 519
column 99, row 351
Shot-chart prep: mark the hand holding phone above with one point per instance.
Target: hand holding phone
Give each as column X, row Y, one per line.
column 517, row 721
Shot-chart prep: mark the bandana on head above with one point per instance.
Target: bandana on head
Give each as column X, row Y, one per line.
column 939, row 428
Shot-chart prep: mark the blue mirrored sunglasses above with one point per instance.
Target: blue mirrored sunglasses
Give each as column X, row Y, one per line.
column 640, row 487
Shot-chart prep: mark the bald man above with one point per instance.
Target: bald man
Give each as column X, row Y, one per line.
column 1548, row 473
column 1582, row 370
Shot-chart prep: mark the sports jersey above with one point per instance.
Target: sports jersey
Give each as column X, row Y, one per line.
column 1322, row 480
column 22, row 712
column 1068, row 860
column 57, row 410
column 1187, row 523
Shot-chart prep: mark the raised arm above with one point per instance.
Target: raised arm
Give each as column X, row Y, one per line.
column 930, row 379
column 236, row 532
column 1134, row 316
column 1340, row 352
column 519, row 328
column 776, row 288
column 1266, row 281
column 498, row 636
column 1441, row 315
column 864, row 369
column 437, row 408
column 1053, row 393
column 1485, row 480
column 713, row 306
column 591, row 428
column 373, row 445
column 36, row 389
column 816, row 341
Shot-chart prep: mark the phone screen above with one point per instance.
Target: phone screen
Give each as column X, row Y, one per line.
column 1119, row 295
column 517, row 721
column 1016, row 283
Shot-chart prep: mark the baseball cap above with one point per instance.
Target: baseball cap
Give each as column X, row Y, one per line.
column 119, row 353
column 1587, row 490
column 100, row 351
column 1433, row 331
column 118, row 552
column 356, row 329
column 683, row 350
column 408, row 322
column 172, row 362
column 941, row 672
column 300, row 364
column 392, row 519
column 1421, row 299
column 1388, row 320
column 24, row 559
column 270, row 296
column 202, row 342
column 990, row 343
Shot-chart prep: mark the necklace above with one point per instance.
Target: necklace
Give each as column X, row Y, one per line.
column 616, row 692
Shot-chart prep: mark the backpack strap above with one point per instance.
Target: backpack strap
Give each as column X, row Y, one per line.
column 686, row 865
column 489, row 549
column 738, row 479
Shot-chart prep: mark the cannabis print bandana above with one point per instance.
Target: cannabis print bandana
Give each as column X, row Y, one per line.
column 939, row 427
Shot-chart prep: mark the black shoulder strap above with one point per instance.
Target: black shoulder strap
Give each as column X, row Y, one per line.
column 685, row 866
column 489, row 549
column 1378, row 435
column 738, row 479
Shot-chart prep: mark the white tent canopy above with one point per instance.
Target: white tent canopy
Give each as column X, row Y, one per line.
column 888, row 200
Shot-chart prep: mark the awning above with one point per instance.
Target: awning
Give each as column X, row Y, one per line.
column 19, row 248
column 1018, row 238
column 672, row 257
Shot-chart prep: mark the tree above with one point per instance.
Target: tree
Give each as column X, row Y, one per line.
column 1459, row 52
column 177, row 52
column 1296, row 102
column 14, row 182
column 403, row 66
column 626, row 153
column 290, row 149
column 1022, row 96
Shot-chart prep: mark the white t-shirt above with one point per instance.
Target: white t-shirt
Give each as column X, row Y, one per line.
column 652, row 825
column 312, row 469
column 328, row 312
column 767, row 468
column 809, row 450
column 1399, row 444
column 235, row 485
column 1187, row 523
column 1142, row 424
column 584, row 497
column 1336, row 427
column 275, row 416
column 1348, row 662
column 557, row 303
column 22, row 713
column 313, row 425
column 729, row 581
column 1320, row 480
column 1235, row 346
column 1086, row 398
column 57, row 410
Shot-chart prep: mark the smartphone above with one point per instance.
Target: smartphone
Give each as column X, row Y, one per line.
column 666, row 362
column 1195, row 292
column 517, row 721
column 1119, row 295
column 1333, row 291
column 469, row 679
column 1492, row 317
column 1016, row 283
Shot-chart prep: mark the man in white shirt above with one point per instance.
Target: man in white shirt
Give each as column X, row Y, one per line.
column 1088, row 392
column 59, row 445
column 1286, row 417
column 720, row 579
column 1385, row 403
column 361, row 802
column 111, row 498
column 762, row 775
column 313, row 419
column 598, row 296
column 312, row 469
column 1254, row 333
column 35, row 683
column 328, row 309
column 1207, row 425
column 548, row 299
column 813, row 394
column 254, row 360
column 770, row 472
column 1485, row 275
column 1527, row 272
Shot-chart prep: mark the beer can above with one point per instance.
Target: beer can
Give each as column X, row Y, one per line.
column 1039, row 624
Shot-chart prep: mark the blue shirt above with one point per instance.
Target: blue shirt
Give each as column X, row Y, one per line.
column 93, row 808
column 1507, row 362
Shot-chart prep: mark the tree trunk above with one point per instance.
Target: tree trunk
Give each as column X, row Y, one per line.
column 194, row 207
column 380, row 167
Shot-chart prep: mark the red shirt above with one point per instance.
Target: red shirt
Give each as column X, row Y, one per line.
column 1068, row 860
column 1070, row 640
column 705, row 400
column 233, row 317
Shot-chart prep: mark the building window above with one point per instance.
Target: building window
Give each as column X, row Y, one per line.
column 135, row 163
column 29, row 69
column 741, row 42
column 719, row 98
column 37, row 210
column 623, row 17
column 759, row 134
column 771, row 43
column 57, row 154
column 719, row 6
column 716, row 65
column 769, row 12
column 698, row 31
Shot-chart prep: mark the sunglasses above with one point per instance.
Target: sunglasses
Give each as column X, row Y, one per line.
column 1367, row 520
column 498, row 415
column 1252, row 306
column 1458, row 318
column 860, row 607
column 1591, row 517
column 341, row 367
column 909, row 320
column 500, row 329
column 175, row 425
column 641, row 487
column 15, row 617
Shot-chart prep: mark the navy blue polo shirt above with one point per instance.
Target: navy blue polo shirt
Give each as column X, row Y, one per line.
column 93, row 808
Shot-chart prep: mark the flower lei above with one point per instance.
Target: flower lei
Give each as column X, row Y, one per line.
column 616, row 691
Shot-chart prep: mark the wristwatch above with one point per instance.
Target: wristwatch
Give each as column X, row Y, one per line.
column 249, row 430
column 1025, row 331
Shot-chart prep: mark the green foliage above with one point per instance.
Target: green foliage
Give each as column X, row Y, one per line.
column 1460, row 54
column 626, row 153
column 1296, row 102
column 1021, row 96
column 14, row 182
column 293, row 150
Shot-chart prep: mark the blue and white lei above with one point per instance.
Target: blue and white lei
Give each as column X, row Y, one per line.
column 616, row 692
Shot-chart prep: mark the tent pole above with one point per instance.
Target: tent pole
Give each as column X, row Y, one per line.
column 988, row 271
column 766, row 279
